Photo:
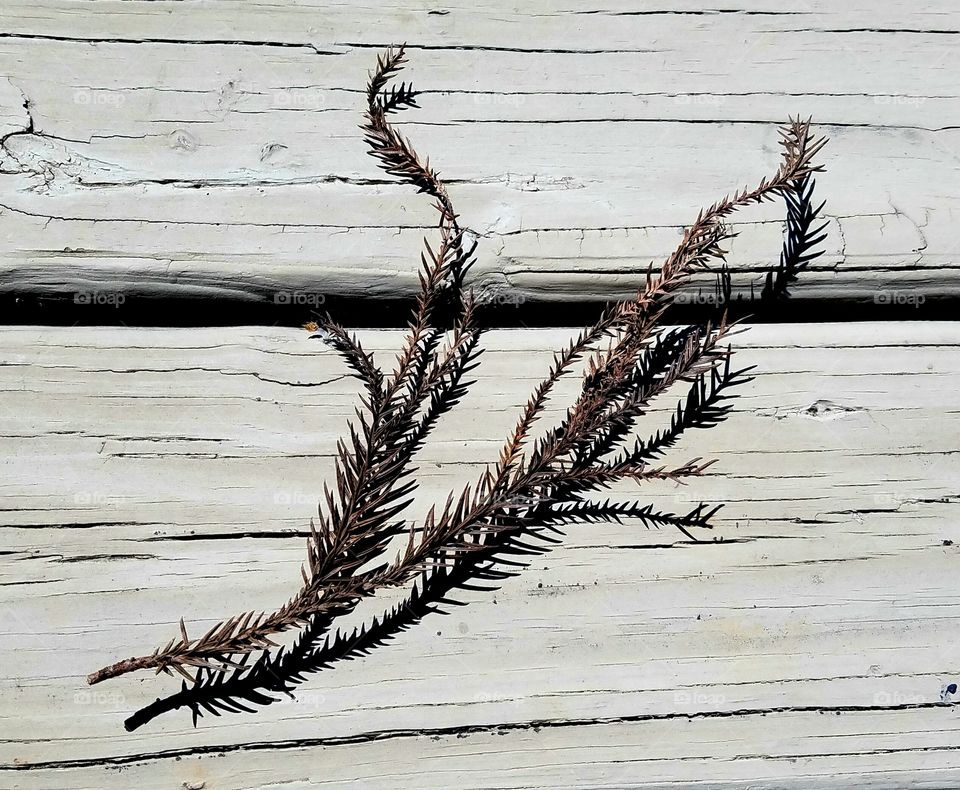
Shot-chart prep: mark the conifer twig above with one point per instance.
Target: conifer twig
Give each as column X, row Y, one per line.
column 516, row 506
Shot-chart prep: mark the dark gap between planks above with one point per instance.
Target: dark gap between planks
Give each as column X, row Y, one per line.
column 358, row 312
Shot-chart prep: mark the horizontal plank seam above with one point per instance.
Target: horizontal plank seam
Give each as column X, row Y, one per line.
column 477, row 729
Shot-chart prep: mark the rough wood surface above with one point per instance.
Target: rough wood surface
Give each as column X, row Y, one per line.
column 170, row 148
column 148, row 474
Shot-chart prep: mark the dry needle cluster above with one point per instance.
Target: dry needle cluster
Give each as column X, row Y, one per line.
column 480, row 534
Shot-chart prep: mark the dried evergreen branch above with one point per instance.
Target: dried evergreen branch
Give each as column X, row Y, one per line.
column 273, row 676
column 355, row 357
column 373, row 469
column 481, row 534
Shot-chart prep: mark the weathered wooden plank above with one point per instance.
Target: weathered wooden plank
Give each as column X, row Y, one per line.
column 148, row 474
column 653, row 753
column 219, row 156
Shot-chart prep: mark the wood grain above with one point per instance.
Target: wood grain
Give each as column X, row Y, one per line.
column 149, row 474
column 211, row 149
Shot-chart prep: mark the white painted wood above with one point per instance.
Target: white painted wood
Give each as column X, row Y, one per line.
column 148, row 474
column 211, row 148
